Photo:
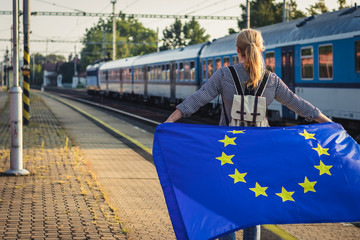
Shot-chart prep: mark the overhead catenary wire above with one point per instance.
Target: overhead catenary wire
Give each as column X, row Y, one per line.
column 58, row 5
column 130, row 5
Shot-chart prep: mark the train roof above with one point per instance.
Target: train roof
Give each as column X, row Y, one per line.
column 344, row 23
column 94, row 66
column 187, row 52
column 124, row 62
column 340, row 24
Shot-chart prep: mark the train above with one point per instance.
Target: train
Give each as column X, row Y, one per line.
column 318, row 57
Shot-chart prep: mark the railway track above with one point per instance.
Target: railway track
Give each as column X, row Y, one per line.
column 157, row 114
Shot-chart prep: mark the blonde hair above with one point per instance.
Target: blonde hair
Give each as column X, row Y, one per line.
column 250, row 44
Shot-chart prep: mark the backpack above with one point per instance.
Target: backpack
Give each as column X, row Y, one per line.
column 249, row 107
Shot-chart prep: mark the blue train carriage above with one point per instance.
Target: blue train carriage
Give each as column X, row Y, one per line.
column 116, row 77
column 167, row 77
column 92, row 78
column 318, row 57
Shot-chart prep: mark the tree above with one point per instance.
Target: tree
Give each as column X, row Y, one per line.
column 294, row 12
column 262, row 13
column 194, row 33
column 267, row 12
column 342, row 4
column 317, row 8
column 180, row 35
column 173, row 36
column 132, row 39
column 53, row 58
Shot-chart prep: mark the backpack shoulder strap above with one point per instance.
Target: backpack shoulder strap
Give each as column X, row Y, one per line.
column 263, row 84
column 236, row 80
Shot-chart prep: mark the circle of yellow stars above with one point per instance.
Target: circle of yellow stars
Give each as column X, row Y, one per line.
column 309, row 186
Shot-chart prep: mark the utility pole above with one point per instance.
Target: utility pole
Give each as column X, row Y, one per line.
column 103, row 43
column 157, row 39
column 33, row 70
column 114, row 29
column 26, row 66
column 16, row 153
column 75, row 68
column 285, row 11
column 247, row 14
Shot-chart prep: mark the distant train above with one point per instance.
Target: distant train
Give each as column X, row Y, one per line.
column 318, row 57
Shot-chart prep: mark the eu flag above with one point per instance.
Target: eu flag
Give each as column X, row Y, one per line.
column 219, row 179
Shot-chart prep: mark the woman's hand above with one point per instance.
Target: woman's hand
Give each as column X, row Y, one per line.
column 176, row 115
column 322, row 118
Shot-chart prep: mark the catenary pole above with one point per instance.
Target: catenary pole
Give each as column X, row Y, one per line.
column 247, row 13
column 114, row 30
column 26, row 66
column 285, row 11
column 16, row 154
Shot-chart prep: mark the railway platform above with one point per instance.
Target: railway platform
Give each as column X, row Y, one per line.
column 87, row 183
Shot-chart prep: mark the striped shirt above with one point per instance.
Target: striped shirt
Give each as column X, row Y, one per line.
column 222, row 83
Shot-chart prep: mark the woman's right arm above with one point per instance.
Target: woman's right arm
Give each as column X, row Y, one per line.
column 204, row 95
column 297, row 104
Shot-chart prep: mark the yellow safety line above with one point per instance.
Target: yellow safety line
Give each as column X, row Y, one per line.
column 280, row 232
column 136, row 142
column 273, row 228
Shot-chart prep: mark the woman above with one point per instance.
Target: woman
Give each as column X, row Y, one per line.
column 250, row 69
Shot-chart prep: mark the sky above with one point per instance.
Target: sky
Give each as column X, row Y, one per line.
column 60, row 28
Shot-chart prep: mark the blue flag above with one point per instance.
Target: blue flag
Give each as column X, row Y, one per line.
column 218, row 179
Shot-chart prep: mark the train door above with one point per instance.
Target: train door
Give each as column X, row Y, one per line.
column 172, row 82
column 121, row 81
column 107, row 82
column 288, row 75
column 145, row 78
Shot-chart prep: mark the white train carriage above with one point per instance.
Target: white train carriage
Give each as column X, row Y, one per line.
column 116, row 77
column 167, row 76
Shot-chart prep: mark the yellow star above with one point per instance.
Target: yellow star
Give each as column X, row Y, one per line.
column 238, row 177
column 236, row 131
column 285, row 195
column 323, row 168
column 307, row 185
column 321, row 150
column 258, row 190
column 307, row 135
column 228, row 141
column 225, row 158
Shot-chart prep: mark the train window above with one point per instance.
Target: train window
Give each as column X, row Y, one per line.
column 149, row 73
column 235, row 59
column 307, row 63
column 226, row 61
column 357, row 56
column 176, row 71
column 167, row 69
column 163, row 72
column 140, row 77
column 187, row 71
column 218, row 63
column 210, row 68
column 181, row 71
column 204, row 70
column 136, row 74
column 192, row 70
column 270, row 61
column 325, row 62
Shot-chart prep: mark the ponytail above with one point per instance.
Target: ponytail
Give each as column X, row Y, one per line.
column 250, row 44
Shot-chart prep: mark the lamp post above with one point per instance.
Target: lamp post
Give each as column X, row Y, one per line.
column 16, row 127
